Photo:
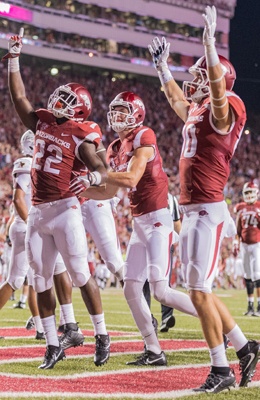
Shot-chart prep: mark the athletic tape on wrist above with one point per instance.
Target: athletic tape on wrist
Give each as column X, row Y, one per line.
column 13, row 64
column 95, row 178
column 165, row 75
column 211, row 55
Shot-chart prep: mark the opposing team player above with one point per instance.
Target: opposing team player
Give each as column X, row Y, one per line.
column 214, row 118
column 248, row 241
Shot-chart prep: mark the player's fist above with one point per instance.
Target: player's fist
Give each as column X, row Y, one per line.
column 14, row 46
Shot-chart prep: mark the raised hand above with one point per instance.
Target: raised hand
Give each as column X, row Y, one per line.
column 14, row 45
column 210, row 18
column 159, row 51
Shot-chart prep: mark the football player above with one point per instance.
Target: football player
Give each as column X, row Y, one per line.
column 214, row 118
column 248, row 241
column 136, row 164
column 62, row 144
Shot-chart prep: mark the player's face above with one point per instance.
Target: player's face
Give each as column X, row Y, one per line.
column 120, row 114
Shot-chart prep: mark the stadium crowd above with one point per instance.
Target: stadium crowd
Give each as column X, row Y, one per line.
column 103, row 87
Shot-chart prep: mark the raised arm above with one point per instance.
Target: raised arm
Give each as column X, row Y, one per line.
column 221, row 111
column 174, row 94
column 16, row 86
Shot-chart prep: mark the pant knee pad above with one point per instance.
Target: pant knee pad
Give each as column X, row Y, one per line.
column 15, row 282
column 79, row 278
column 158, row 290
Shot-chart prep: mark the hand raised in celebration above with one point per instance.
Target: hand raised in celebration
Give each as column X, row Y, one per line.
column 210, row 18
column 159, row 51
column 14, row 45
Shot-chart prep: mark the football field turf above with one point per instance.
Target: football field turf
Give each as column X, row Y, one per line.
column 77, row 377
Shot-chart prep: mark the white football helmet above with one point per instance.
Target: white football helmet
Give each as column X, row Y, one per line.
column 27, row 143
column 250, row 192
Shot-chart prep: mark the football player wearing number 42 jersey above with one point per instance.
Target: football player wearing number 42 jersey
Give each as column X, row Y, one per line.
column 214, row 118
column 63, row 143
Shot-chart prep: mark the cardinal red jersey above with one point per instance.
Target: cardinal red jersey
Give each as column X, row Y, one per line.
column 249, row 216
column 56, row 155
column 151, row 192
column 206, row 153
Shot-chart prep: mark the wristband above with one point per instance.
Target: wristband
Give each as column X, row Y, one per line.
column 13, row 64
column 95, row 178
column 211, row 55
column 164, row 75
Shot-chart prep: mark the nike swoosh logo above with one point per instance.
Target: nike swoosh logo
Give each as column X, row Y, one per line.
column 153, row 361
column 252, row 356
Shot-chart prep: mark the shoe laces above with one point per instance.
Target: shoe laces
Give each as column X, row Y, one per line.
column 243, row 363
column 101, row 342
column 211, row 381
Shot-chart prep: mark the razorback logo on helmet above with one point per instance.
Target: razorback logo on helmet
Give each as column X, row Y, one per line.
column 86, row 101
column 157, row 224
column 139, row 103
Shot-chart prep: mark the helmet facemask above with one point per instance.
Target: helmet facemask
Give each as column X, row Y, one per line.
column 197, row 89
column 250, row 195
column 128, row 120
column 62, row 103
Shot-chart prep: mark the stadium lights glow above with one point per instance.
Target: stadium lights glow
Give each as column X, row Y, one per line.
column 90, row 55
column 54, row 71
column 113, row 79
column 247, row 131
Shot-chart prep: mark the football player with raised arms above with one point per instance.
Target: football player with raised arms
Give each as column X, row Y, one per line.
column 62, row 144
column 214, row 118
column 248, row 242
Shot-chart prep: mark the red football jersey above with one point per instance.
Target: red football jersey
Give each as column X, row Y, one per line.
column 151, row 192
column 56, row 155
column 249, row 217
column 206, row 153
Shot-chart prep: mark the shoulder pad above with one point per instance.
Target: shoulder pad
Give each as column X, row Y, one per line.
column 23, row 164
column 45, row 115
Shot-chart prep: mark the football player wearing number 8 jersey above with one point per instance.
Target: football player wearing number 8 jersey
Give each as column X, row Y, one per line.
column 214, row 118
column 63, row 143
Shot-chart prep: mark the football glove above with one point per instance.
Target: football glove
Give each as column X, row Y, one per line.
column 79, row 184
column 14, row 45
column 160, row 52
column 210, row 19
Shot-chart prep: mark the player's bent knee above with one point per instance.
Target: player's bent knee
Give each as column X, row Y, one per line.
column 15, row 282
column 133, row 289
column 158, row 290
column 41, row 284
column 79, row 278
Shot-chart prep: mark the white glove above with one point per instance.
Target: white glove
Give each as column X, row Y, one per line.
column 159, row 52
column 14, row 46
column 79, row 184
column 210, row 19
